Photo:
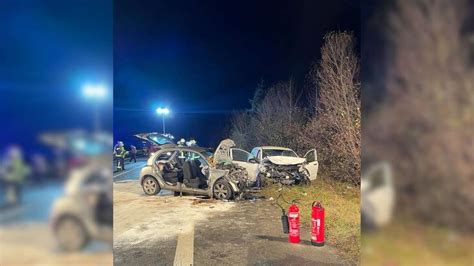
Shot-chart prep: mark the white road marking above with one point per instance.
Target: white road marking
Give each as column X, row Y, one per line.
column 128, row 171
column 126, row 181
column 185, row 248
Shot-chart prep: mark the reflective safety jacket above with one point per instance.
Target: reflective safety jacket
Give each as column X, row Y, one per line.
column 16, row 171
column 120, row 152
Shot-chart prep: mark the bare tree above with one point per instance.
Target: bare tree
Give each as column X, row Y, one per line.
column 275, row 119
column 425, row 125
column 336, row 128
column 278, row 116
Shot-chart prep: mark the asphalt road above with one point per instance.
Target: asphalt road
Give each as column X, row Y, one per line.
column 26, row 237
column 36, row 203
column 131, row 172
column 166, row 230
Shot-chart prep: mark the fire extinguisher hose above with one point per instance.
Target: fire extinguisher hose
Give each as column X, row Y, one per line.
column 284, row 217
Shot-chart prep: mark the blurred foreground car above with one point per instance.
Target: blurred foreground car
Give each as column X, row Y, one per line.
column 84, row 212
column 378, row 196
column 187, row 170
column 277, row 164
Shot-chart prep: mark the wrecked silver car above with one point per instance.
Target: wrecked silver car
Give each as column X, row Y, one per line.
column 276, row 164
column 187, row 170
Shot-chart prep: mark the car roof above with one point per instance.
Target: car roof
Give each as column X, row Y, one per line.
column 275, row 148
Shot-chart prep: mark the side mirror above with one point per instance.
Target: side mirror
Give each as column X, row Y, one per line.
column 253, row 160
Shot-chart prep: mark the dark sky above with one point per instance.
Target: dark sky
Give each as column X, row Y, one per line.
column 48, row 50
column 203, row 59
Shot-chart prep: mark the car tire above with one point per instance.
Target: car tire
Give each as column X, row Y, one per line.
column 70, row 234
column 150, row 186
column 222, row 190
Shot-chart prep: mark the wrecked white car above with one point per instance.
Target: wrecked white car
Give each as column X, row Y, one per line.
column 277, row 164
column 378, row 196
column 187, row 170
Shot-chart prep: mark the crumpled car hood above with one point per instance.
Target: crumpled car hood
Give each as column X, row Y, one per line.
column 285, row 160
column 222, row 152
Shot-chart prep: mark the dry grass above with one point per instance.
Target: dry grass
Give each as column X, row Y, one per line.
column 410, row 243
column 341, row 202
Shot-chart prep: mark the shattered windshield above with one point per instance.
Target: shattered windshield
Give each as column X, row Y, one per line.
column 160, row 139
column 277, row 152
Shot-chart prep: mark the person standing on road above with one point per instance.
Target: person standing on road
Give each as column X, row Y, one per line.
column 14, row 172
column 120, row 153
column 133, row 153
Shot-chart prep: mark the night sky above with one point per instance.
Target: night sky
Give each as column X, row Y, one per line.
column 48, row 51
column 203, row 59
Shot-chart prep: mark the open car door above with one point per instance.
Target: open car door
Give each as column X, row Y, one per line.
column 378, row 195
column 156, row 138
column 312, row 164
column 246, row 160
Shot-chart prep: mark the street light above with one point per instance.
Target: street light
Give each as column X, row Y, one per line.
column 95, row 92
column 163, row 112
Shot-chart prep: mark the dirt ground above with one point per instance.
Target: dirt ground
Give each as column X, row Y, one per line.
column 147, row 231
column 33, row 244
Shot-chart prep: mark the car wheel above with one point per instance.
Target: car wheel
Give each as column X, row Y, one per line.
column 71, row 234
column 151, row 186
column 222, row 190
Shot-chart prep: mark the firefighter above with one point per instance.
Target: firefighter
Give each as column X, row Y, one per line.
column 15, row 172
column 120, row 153
column 181, row 142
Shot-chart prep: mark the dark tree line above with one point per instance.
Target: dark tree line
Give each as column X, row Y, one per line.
column 330, row 122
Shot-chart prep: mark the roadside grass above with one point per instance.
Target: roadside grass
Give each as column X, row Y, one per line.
column 412, row 243
column 341, row 202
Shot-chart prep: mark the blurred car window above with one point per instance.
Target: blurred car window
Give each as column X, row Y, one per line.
column 165, row 156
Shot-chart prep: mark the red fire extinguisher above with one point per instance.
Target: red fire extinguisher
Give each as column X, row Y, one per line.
column 317, row 224
column 294, row 223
